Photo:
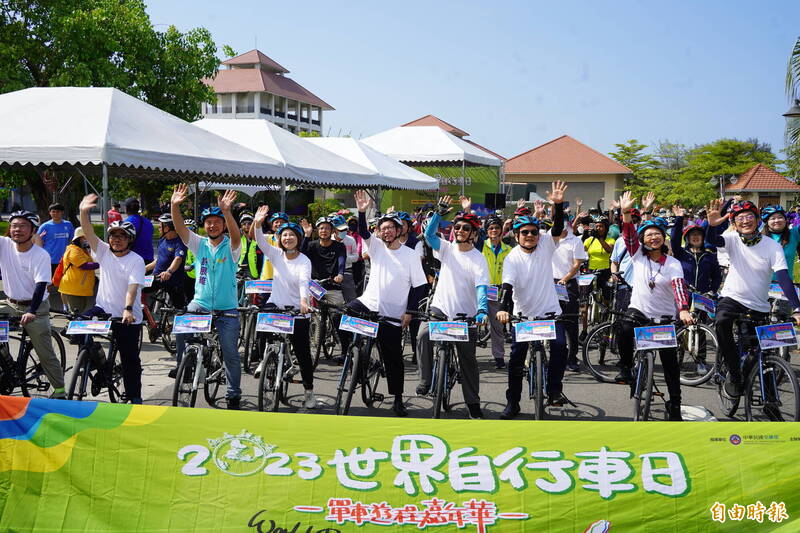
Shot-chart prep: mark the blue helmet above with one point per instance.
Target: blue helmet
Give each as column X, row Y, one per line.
column 295, row 227
column 279, row 215
column 210, row 212
column 657, row 222
column 338, row 222
column 525, row 221
column 405, row 217
column 769, row 210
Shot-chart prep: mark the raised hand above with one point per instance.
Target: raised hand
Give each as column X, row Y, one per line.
column 647, row 200
column 466, row 203
column 363, row 201
column 614, row 204
column 578, row 203
column 557, row 194
column 179, row 194
column 307, row 229
column 88, row 203
column 226, row 202
column 261, row 215
column 521, row 203
column 444, row 205
column 714, row 213
column 678, row 211
column 626, row 201
column 538, row 209
column 390, row 210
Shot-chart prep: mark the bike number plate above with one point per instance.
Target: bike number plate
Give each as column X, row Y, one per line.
column 655, row 337
column 88, row 327
column 275, row 323
column 492, row 293
column 448, row 331
column 148, row 281
column 535, row 330
column 585, row 279
column 258, row 286
column 191, row 324
column 701, row 303
column 561, row 292
column 316, row 290
column 776, row 336
column 3, row 330
column 359, row 325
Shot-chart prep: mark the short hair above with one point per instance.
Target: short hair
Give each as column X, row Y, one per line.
column 56, row 206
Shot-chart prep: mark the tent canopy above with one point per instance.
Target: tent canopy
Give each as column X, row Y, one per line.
column 304, row 158
column 393, row 174
column 90, row 127
column 425, row 144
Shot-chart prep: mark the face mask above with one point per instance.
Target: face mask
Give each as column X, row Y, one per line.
column 580, row 230
column 342, row 234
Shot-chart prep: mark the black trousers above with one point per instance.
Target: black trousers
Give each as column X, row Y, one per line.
column 127, row 338
column 728, row 310
column 390, row 342
column 571, row 307
column 301, row 346
column 669, row 356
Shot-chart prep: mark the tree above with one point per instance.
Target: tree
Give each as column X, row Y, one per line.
column 670, row 155
column 103, row 43
column 631, row 154
column 793, row 93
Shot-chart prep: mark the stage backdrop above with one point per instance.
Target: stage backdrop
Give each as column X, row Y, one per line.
column 84, row 466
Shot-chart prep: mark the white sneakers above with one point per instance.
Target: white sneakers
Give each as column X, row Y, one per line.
column 310, row 401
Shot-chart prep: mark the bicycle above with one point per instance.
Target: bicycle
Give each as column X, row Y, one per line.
column 600, row 351
column 696, row 343
column 94, row 371
column 201, row 365
column 644, row 386
column 536, row 364
column 770, row 382
column 360, row 368
column 277, row 368
column 322, row 332
column 26, row 370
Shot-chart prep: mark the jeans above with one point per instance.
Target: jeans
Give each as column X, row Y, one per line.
column 227, row 327
column 555, row 368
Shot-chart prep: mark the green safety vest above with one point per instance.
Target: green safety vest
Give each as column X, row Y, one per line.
column 495, row 262
column 249, row 254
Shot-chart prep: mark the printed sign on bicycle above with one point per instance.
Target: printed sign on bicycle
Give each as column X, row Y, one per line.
column 492, row 293
column 258, row 286
column 191, row 324
column 275, row 323
column 148, row 281
column 776, row 292
column 561, row 292
column 702, row 303
column 448, row 331
column 776, row 336
column 88, row 327
column 4, row 331
column 655, row 337
column 316, row 290
column 359, row 325
column 585, row 279
column 535, row 330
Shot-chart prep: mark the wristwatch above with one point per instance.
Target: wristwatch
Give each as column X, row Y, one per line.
column 129, row 308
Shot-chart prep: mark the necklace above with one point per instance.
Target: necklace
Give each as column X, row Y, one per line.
column 652, row 277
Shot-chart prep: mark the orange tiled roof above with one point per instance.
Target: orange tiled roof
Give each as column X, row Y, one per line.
column 564, row 155
column 243, row 80
column 763, row 178
column 430, row 120
column 255, row 56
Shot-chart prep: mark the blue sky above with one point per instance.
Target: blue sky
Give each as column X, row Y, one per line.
column 517, row 74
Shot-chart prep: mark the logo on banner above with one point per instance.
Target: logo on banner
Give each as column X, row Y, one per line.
column 240, row 455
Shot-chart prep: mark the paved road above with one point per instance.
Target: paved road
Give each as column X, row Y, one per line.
column 594, row 401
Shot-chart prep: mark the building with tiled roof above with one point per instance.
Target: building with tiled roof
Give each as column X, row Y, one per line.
column 762, row 186
column 252, row 85
column 589, row 174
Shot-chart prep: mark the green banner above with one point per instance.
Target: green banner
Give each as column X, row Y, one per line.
column 86, row 466
column 479, row 181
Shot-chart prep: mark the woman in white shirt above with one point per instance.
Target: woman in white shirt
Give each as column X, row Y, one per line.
column 292, row 273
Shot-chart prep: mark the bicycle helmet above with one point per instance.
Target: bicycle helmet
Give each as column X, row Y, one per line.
column 210, row 212
column 522, row 212
column 545, row 224
column 33, row 218
column 692, row 227
column 741, row 207
column 292, row 226
column 245, row 215
column 657, row 222
column 492, row 221
column 391, row 217
column 469, row 218
column 166, row 218
column 525, row 221
column 339, row 222
column 404, row 216
column 323, row 220
column 278, row 215
column 190, row 224
column 635, row 213
column 125, row 226
column 770, row 210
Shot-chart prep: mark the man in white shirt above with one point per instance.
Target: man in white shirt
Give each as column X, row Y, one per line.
column 396, row 284
column 567, row 259
column 120, row 291
column 528, row 289
column 26, row 273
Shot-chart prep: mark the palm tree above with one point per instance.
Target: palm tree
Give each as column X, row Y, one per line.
column 793, row 93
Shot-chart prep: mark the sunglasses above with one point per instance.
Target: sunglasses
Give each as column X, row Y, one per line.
column 526, row 232
column 744, row 218
column 462, row 227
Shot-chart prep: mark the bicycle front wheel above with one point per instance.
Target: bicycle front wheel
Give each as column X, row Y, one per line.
column 537, row 378
column 643, row 387
column 728, row 405
column 697, row 354
column 356, row 378
column 772, row 395
column 80, row 376
column 372, row 375
column 184, row 392
column 7, row 371
column 344, row 380
column 442, row 356
column 215, row 376
column 268, row 385
column 601, row 352
column 317, row 336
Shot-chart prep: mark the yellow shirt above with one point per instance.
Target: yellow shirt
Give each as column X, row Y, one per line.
column 266, row 268
column 598, row 257
column 76, row 282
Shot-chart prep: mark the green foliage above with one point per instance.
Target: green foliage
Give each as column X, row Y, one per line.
column 792, row 161
column 671, row 155
column 632, row 155
column 229, row 51
column 793, row 92
column 323, row 208
column 309, row 134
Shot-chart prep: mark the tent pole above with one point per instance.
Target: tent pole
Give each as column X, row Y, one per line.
column 283, row 195
column 463, row 176
column 196, row 194
column 378, row 199
column 105, row 201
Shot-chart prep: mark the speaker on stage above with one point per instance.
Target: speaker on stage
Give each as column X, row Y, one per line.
column 495, row 201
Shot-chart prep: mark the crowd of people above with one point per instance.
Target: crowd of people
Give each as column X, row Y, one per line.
column 491, row 269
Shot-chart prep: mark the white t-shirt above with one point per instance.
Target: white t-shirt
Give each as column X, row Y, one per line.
column 351, row 246
column 568, row 249
column 23, row 270
column 116, row 273
column 531, row 275
column 461, row 272
column 660, row 300
column 291, row 276
column 392, row 273
column 751, row 270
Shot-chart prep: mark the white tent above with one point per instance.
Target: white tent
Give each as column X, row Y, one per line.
column 104, row 129
column 424, row 144
column 249, row 190
column 319, row 165
column 392, row 173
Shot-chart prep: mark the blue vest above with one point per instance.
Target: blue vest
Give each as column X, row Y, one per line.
column 215, row 285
